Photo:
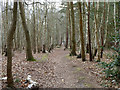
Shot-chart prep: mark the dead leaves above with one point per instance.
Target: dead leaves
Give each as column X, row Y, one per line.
column 41, row 72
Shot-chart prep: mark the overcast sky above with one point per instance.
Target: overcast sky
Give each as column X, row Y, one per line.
column 65, row 0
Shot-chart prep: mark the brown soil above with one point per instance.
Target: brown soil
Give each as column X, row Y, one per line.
column 54, row 70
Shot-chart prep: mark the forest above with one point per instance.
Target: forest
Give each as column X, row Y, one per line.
column 59, row 44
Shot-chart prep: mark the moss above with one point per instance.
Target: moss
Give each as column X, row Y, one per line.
column 32, row 59
column 97, row 60
column 78, row 69
column 81, row 78
column 44, row 58
column 70, row 57
column 17, row 80
column 73, row 54
column 87, row 85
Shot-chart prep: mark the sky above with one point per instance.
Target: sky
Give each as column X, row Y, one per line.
column 64, row 0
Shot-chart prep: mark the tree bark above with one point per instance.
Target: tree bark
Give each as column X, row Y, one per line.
column 67, row 13
column 81, row 32
column 44, row 41
column 106, row 31
column 102, row 34
column 118, row 66
column 10, row 45
column 25, row 28
column 69, row 24
column 34, row 30
column 96, row 31
column 89, row 34
column 73, row 51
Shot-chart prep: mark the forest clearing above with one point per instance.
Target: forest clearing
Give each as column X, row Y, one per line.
column 73, row 44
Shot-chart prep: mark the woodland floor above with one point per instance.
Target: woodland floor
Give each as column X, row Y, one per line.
column 54, row 70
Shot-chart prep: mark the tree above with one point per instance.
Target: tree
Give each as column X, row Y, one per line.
column 10, row 45
column 118, row 37
column 89, row 34
column 68, row 4
column 81, row 32
column 39, row 34
column 45, row 30
column 67, row 13
column 102, row 34
column 96, row 31
column 25, row 28
column 34, row 30
column 106, row 31
column 73, row 51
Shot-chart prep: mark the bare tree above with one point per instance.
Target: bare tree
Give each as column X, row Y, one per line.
column 28, row 46
column 73, row 51
column 34, row 30
column 67, row 13
column 69, row 19
column 10, row 45
column 89, row 34
column 81, row 32
column 102, row 33
column 96, row 31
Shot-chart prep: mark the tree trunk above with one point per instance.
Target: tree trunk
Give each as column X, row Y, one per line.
column 106, row 31
column 25, row 28
column 96, row 31
column 69, row 24
column 89, row 34
column 73, row 51
column 102, row 34
column 44, row 41
column 67, row 13
column 10, row 45
column 81, row 32
column 118, row 67
column 34, row 30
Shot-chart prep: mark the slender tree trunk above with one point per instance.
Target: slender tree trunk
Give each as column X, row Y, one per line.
column 81, row 32
column 73, row 51
column 119, row 18
column 118, row 66
column 106, row 31
column 96, row 31
column 10, row 45
column 102, row 34
column 7, row 26
column 25, row 28
column 48, row 37
column 44, row 44
column 40, row 33
column 69, row 24
column 84, row 23
column 34, row 30
column 89, row 33
column 67, row 10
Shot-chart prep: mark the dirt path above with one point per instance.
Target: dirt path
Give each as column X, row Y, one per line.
column 52, row 70
column 70, row 73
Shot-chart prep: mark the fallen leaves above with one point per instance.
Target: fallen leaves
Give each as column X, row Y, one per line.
column 41, row 72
